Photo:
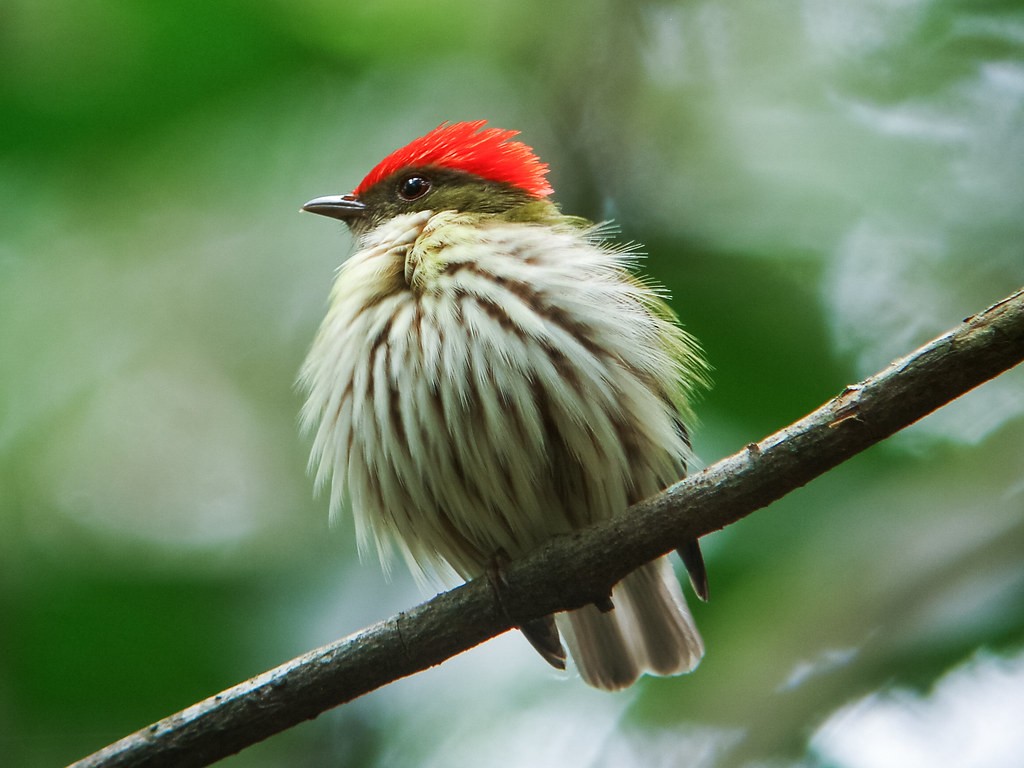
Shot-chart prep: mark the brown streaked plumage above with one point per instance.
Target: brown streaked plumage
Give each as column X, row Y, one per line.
column 490, row 374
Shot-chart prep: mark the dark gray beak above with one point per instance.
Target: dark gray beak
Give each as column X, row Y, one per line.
column 343, row 207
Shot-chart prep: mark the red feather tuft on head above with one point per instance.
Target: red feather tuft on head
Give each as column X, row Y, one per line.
column 469, row 147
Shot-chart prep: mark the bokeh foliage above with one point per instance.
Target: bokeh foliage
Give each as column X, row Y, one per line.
column 822, row 186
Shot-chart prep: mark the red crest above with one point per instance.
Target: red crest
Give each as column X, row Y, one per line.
column 469, row 147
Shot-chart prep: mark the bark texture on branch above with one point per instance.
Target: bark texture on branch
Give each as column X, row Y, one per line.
column 588, row 562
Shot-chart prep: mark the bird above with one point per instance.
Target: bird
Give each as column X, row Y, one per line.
column 492, row 373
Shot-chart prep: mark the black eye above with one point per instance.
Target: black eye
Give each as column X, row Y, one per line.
column 413, row 187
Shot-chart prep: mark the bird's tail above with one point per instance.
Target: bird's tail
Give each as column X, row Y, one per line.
column 649, row 630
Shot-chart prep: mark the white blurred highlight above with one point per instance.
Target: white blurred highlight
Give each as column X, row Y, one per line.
column 970, row 719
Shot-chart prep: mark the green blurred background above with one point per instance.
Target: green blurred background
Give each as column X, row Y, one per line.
column 822, row 186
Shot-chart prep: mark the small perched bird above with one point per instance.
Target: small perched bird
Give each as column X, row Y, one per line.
column 491, row 373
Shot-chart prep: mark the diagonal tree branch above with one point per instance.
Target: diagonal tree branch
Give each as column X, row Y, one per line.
column 588, row 562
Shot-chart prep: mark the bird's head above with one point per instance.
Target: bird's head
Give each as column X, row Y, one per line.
column 456, row 167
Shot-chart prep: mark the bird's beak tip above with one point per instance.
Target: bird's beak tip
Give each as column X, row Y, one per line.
column 343, row 207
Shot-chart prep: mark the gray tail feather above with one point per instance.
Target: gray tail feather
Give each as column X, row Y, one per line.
column 650, row 630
